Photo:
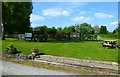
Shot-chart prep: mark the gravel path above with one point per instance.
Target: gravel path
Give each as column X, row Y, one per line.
column 9, row 68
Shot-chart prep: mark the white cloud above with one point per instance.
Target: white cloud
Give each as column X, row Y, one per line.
column 34, row 25
column 80, row 12
column 82, row 19
column 55, row 12
column 103, row 15
column 36, row 18
column 114, row 23
column 66, row 13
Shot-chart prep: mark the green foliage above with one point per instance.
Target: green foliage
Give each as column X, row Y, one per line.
column 117, row 30
column 52, row 32
column 108, row 36
column 59, row 33
column 41, row 32
column 41, row 29
column 59, row 30
column 11, row 49
column 36, row 51
column 85, row 28
column 103, row 30
column 96, row 29
column 16, row 16
column 69, row 29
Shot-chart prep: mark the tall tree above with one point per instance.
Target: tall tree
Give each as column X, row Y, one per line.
column 117, row 30
column 60, row 33
column 41, row 30
column 96, row 29
column 85, row 28
column 77, row 27
column 52, row 32
column 103, row 30
column 16, row 16
column 59, row 30
column 69, row 29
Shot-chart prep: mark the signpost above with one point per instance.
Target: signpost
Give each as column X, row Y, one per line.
column 28, row 35
column 21, row 36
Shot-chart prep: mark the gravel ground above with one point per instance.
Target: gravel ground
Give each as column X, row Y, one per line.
column 9, row 68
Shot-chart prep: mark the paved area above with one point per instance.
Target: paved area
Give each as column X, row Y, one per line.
column 9, row 68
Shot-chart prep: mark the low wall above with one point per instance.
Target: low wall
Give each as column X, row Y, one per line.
column 103, row 66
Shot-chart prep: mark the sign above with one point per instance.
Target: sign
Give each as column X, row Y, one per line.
column 28, row 34
column 21, row 36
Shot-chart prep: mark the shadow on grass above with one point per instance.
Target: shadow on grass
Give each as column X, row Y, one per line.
column 17, row 52
column 42, row 53
column 67, row 41
column 53, row 41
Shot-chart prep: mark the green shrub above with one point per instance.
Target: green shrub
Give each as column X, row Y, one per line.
column 11, row 49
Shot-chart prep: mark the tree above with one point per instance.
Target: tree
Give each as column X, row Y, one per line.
column 43, row 31
column 77, row 27
column 96, row 29
column 52, row 32
column 16, row 16
column 103, row 30
column 85, row 28
column 59, row 33
column 59, row 30
column 117, row 30
column 69, row 29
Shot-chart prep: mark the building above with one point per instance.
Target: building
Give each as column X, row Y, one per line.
column 74, row 36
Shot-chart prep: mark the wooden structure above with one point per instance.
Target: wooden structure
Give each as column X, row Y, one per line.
column 24, row 36
column 75, row 36
column 109, row 43
column 39, row 37
column 21, row 36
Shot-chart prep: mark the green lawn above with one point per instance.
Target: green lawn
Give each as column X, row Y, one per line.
column 83, row 49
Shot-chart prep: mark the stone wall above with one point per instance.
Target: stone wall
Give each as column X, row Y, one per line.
column 102, row 66
column 83, row 64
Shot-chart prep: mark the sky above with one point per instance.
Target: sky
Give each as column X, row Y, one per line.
column 62, row 14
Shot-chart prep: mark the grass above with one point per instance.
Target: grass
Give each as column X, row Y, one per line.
column 110, row 36
column 83, row 49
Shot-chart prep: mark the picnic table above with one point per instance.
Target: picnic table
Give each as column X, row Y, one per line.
column 110, row 43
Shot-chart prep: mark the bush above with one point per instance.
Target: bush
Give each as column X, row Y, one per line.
column 11, row 49
column 35, row 50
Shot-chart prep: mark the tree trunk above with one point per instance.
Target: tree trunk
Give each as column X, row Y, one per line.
column 3, row 34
